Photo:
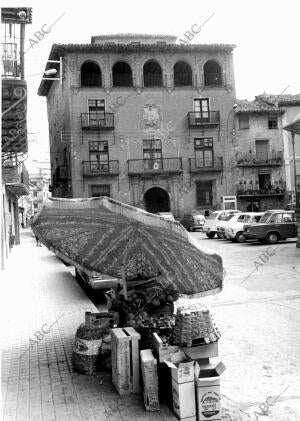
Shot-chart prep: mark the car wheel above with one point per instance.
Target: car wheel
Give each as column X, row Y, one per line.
column 240, row 238
column 221, row 236
column 272, row 238
column 190, row 229
column 210, row 234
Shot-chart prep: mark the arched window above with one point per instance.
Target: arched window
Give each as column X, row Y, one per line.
column 90, row 74
column 182, row 74
column 122, row 74
column 212, row 74
column 152, row 74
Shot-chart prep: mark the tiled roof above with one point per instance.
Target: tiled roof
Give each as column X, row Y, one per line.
column 257, row 106
column 61, row 49
column 282, row 100
column 137, row 36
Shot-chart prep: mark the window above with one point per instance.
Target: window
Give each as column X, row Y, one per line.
column 201, row 109
column 212, row 74
column 182, row 74
column 100, row 190
column 243, row 121
column 204, row 154
column 152, row 154
column 287, row 218
column 98, row 156
column 272, row 122
column 264, row 181
column 276, row 218
column 262, row 149
column 91, row 74
column 204, row 193
column 244, row 218
column 9, row 205
column 122, row 74
column 152, row 74
column 96, row 111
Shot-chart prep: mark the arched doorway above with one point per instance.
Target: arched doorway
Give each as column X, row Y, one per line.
column 156, row 200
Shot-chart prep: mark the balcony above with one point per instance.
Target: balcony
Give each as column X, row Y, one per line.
column 16, row 180
column 97, row 121
column 95, row 168
column 152, row 167
column 208, row 119
column 201, row 165
column 259, row 159
column 256, row 193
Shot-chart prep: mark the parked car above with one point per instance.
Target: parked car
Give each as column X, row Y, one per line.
column 211, row 221
column 193, row 221
column 235, row 228
column 166, row 215
column 96, row 281
column 273, row 226
column 222, row 225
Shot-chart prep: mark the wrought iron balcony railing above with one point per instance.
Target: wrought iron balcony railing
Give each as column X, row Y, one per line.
column 200, row 119
column 202, row 165
column 256, row 192
column 97, row 121
column 96, row 168
column 259, row 159
column 154, row 166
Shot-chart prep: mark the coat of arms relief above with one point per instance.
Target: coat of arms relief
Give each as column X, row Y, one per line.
column 151, row 117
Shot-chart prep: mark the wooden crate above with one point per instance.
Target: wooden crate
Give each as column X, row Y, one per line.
column 150, row 380
column 162, row 351
column 125, row 360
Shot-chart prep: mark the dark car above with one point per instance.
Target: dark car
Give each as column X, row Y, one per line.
column 273, row 226
column 193, row 221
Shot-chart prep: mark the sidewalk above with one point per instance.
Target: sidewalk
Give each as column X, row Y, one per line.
column 260, row 346
column 43, row 307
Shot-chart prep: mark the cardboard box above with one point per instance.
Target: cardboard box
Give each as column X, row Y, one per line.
column 202, row 351
column 125, row 360
column 150, row 380
column 183, row 390
column 162, row 351
column 207, row 379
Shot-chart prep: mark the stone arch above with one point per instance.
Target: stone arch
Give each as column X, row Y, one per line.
column 90, row 74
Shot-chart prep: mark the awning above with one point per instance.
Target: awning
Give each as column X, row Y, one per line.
column 294, row 126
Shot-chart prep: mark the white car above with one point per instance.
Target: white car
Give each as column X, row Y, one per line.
column 235, row 228
column 211, row 221
column 222, row 225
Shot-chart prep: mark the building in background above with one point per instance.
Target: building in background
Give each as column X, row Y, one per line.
column 260, row 177
column 143, row 120
column 39, row 187
column 15, row 180
column 290, row 104
column 264, row 170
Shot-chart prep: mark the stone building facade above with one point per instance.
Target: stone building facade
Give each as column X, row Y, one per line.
column 143, row 120
column 260, row 177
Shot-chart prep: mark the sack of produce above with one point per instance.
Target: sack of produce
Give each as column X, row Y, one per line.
column 88, row 339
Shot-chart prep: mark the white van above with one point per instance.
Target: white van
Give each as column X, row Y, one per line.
column 235, row 228
column 211, row 221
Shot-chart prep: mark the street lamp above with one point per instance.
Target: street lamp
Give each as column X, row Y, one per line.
column 48, row 72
